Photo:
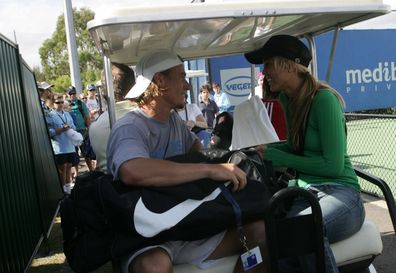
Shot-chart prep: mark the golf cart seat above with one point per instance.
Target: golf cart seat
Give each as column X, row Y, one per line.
column 360, row 248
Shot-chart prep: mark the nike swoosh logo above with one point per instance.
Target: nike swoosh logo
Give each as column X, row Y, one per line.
column 149, row 224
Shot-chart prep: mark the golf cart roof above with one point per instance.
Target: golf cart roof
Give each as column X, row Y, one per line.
column 216, row 28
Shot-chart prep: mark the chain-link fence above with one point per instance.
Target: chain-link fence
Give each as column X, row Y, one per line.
column 372, row 147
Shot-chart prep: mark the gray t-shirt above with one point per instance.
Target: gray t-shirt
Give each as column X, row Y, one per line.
column 137, row 135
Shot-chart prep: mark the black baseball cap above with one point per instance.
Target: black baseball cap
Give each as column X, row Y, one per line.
column 285, row 46
column 71, row 90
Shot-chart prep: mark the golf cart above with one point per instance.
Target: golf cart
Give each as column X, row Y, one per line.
column 216, row 28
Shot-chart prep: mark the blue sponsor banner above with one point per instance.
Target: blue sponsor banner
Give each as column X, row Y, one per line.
column 364, row 67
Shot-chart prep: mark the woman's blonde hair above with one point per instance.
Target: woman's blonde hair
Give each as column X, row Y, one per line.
column 300, row 105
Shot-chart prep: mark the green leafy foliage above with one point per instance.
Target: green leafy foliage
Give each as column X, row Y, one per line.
column 61, row 83
column 54, row 54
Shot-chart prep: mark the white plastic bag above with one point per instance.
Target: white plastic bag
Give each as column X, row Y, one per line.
column 252, row 126
column 75, row 137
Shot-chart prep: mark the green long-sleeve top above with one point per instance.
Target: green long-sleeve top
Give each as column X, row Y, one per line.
column 324, row 159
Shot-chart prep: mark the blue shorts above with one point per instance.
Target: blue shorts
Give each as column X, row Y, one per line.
column 61, row 159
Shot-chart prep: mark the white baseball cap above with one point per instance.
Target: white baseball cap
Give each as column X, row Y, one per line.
column 148, row 66
column 44, row 85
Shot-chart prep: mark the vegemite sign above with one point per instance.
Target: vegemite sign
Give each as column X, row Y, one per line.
column 236, row 83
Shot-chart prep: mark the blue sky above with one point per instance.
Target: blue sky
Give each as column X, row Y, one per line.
column 34, row 20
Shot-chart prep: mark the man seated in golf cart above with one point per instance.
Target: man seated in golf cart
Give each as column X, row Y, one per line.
column 144, row 138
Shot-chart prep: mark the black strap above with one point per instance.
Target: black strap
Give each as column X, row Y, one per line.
column 185, row 111
column 64, row 122
column 167, row 145
column 235, row 205
column 238, row 214
column 80, row 108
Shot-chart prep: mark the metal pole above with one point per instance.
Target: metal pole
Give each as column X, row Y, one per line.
column 15, row 38
column 252, row 79
column 110, row 90
column 314, row 63
column 331, row 57
column 72, row 48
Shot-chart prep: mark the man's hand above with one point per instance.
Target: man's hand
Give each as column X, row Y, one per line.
column 231, row 172
column 64, row 128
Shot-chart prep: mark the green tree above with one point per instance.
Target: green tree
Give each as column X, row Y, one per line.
column 54, row 55
column 62, row 83
column 38, row 73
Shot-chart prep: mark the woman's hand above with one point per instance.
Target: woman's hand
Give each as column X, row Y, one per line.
column 261, row 149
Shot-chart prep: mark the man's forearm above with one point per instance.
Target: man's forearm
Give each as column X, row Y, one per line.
column 156, row 172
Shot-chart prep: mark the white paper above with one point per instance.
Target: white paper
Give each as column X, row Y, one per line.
column 252, row 126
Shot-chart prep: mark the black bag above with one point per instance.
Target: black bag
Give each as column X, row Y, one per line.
column 222, row 131
column 87, row 234
column 86, row 148
column 113, row 219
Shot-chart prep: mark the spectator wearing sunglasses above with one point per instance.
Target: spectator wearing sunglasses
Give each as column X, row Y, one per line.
column 59, row 122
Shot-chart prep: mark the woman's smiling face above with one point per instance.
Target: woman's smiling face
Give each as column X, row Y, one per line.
column 277, row 76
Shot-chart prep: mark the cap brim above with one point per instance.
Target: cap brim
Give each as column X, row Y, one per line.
column 255, row 57
column 140, row 86
column 45, row 86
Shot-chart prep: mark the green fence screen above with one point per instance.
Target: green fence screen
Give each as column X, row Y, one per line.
column 29, row 183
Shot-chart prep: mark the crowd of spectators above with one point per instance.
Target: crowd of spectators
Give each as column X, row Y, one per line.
column 83, row 113
column 68, row 119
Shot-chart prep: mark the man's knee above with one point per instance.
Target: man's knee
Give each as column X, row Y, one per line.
column 155, row 260
column 255, row 233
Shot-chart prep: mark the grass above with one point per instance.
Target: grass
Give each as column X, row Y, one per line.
column 51, row 258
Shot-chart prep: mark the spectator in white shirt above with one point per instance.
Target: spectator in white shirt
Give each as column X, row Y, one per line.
column 192, row 115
